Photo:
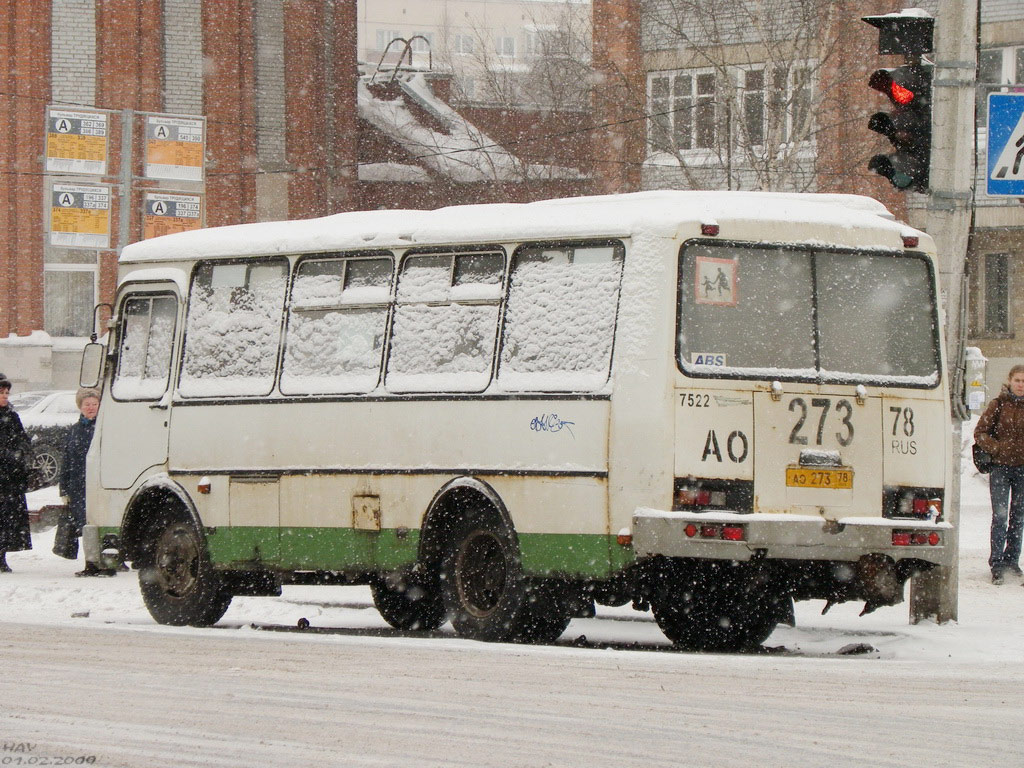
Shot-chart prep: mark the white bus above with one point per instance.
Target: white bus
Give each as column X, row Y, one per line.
column 711, row 404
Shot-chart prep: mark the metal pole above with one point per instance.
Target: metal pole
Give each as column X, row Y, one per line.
column 948, row 220
column 124, row 218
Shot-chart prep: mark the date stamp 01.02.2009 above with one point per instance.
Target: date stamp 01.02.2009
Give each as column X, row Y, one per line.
column 29, row 753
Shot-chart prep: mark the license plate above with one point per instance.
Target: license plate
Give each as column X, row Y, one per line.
column 840, row 478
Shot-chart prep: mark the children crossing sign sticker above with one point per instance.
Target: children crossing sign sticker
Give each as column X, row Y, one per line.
column 1005, row 176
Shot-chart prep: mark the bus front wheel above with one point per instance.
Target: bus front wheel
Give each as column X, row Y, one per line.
column 178, row 583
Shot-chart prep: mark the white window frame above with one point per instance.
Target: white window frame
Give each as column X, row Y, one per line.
column 57, row 267
column 505, row 46
column 983, row 299
column 385, row 36
column 667, row 112
column 463, row 44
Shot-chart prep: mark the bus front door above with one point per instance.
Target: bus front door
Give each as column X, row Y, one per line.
column 136, row 409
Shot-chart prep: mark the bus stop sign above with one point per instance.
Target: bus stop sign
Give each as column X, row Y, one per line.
column 1005, row 166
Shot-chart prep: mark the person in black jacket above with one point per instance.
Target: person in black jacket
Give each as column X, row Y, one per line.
column 72, row 470
column 15, row 465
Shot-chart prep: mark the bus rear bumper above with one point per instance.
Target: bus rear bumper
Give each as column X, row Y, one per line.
column 743, row 537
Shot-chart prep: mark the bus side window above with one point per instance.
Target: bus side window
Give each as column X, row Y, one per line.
column 233, row 328
column 336, row 326
column 560, row 318
column 144, row 357
column 446, row 322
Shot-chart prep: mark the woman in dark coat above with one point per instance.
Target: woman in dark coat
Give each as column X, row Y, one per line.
column 15, row 465
column 72, row 470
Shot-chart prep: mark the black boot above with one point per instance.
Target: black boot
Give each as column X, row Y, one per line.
column 4, row 567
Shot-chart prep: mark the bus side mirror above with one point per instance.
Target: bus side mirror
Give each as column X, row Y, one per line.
column 92, row 366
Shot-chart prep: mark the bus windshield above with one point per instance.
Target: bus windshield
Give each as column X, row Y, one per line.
column 804, row 314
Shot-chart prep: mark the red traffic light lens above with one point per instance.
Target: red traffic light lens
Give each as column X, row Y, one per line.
column 900, row 94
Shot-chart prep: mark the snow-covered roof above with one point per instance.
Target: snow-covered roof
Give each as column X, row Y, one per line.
column 662, row 212
column 461, row 151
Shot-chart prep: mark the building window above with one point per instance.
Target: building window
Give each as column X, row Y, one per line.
column 463, row 44
column 422, row 42
column 506, row 46
column 688, row 109
column 683, row 111
column 998, row 68
column 991, row 289
column 69, row 291
column 385, row 36
column 753, row 107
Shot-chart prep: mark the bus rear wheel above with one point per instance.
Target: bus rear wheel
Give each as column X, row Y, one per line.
column 715, row 607
column 178, row 583
column 406, row 602
column 485, row 593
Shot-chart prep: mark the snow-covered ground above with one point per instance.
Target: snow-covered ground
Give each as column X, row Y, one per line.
column 43, row 590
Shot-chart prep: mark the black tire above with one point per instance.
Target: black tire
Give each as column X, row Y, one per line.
column 178, row 583
column 45, row 467
column 407, row 602
column 544, row 615
column 718, row 606
column 485, row 593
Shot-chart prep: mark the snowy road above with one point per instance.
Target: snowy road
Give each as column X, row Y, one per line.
column 85, row 672
column 225, row 698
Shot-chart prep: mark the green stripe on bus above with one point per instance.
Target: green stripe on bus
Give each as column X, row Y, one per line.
column 348, row 549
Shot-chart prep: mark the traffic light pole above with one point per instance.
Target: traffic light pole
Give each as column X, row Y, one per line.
column 948, row 218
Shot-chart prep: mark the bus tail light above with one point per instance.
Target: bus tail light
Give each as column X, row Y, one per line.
column 689, row 496
column 916, row 538
column 732, row 532
column 914, row 503
column 723, row 532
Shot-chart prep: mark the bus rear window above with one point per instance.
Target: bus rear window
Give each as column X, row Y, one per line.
column 765, row 312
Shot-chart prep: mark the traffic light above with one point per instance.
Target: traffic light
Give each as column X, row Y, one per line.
column 908, row 125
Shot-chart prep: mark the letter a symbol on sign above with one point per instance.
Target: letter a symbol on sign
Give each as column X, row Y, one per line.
column 711, row 447
column 66, row 200
column 159, row 209
column 161, row 132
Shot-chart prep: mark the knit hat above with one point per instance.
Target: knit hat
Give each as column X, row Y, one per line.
column 5, row 383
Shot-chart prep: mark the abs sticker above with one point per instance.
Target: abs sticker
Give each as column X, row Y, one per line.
column 707, row 358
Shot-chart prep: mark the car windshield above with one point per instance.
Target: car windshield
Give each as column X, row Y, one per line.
column 803, row 314
column 26, row 400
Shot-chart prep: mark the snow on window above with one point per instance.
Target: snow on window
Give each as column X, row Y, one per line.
column 560, row 319
column 335, row 341
column 144, row 359
column 446, row 320
column 233, row 329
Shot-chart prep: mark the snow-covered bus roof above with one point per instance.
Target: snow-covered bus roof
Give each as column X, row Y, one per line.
column 658, row 212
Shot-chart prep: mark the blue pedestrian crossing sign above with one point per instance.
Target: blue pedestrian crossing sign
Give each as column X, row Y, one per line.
column 1005, row 167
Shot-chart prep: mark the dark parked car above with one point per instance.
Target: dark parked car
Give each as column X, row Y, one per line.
column 48, row 417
